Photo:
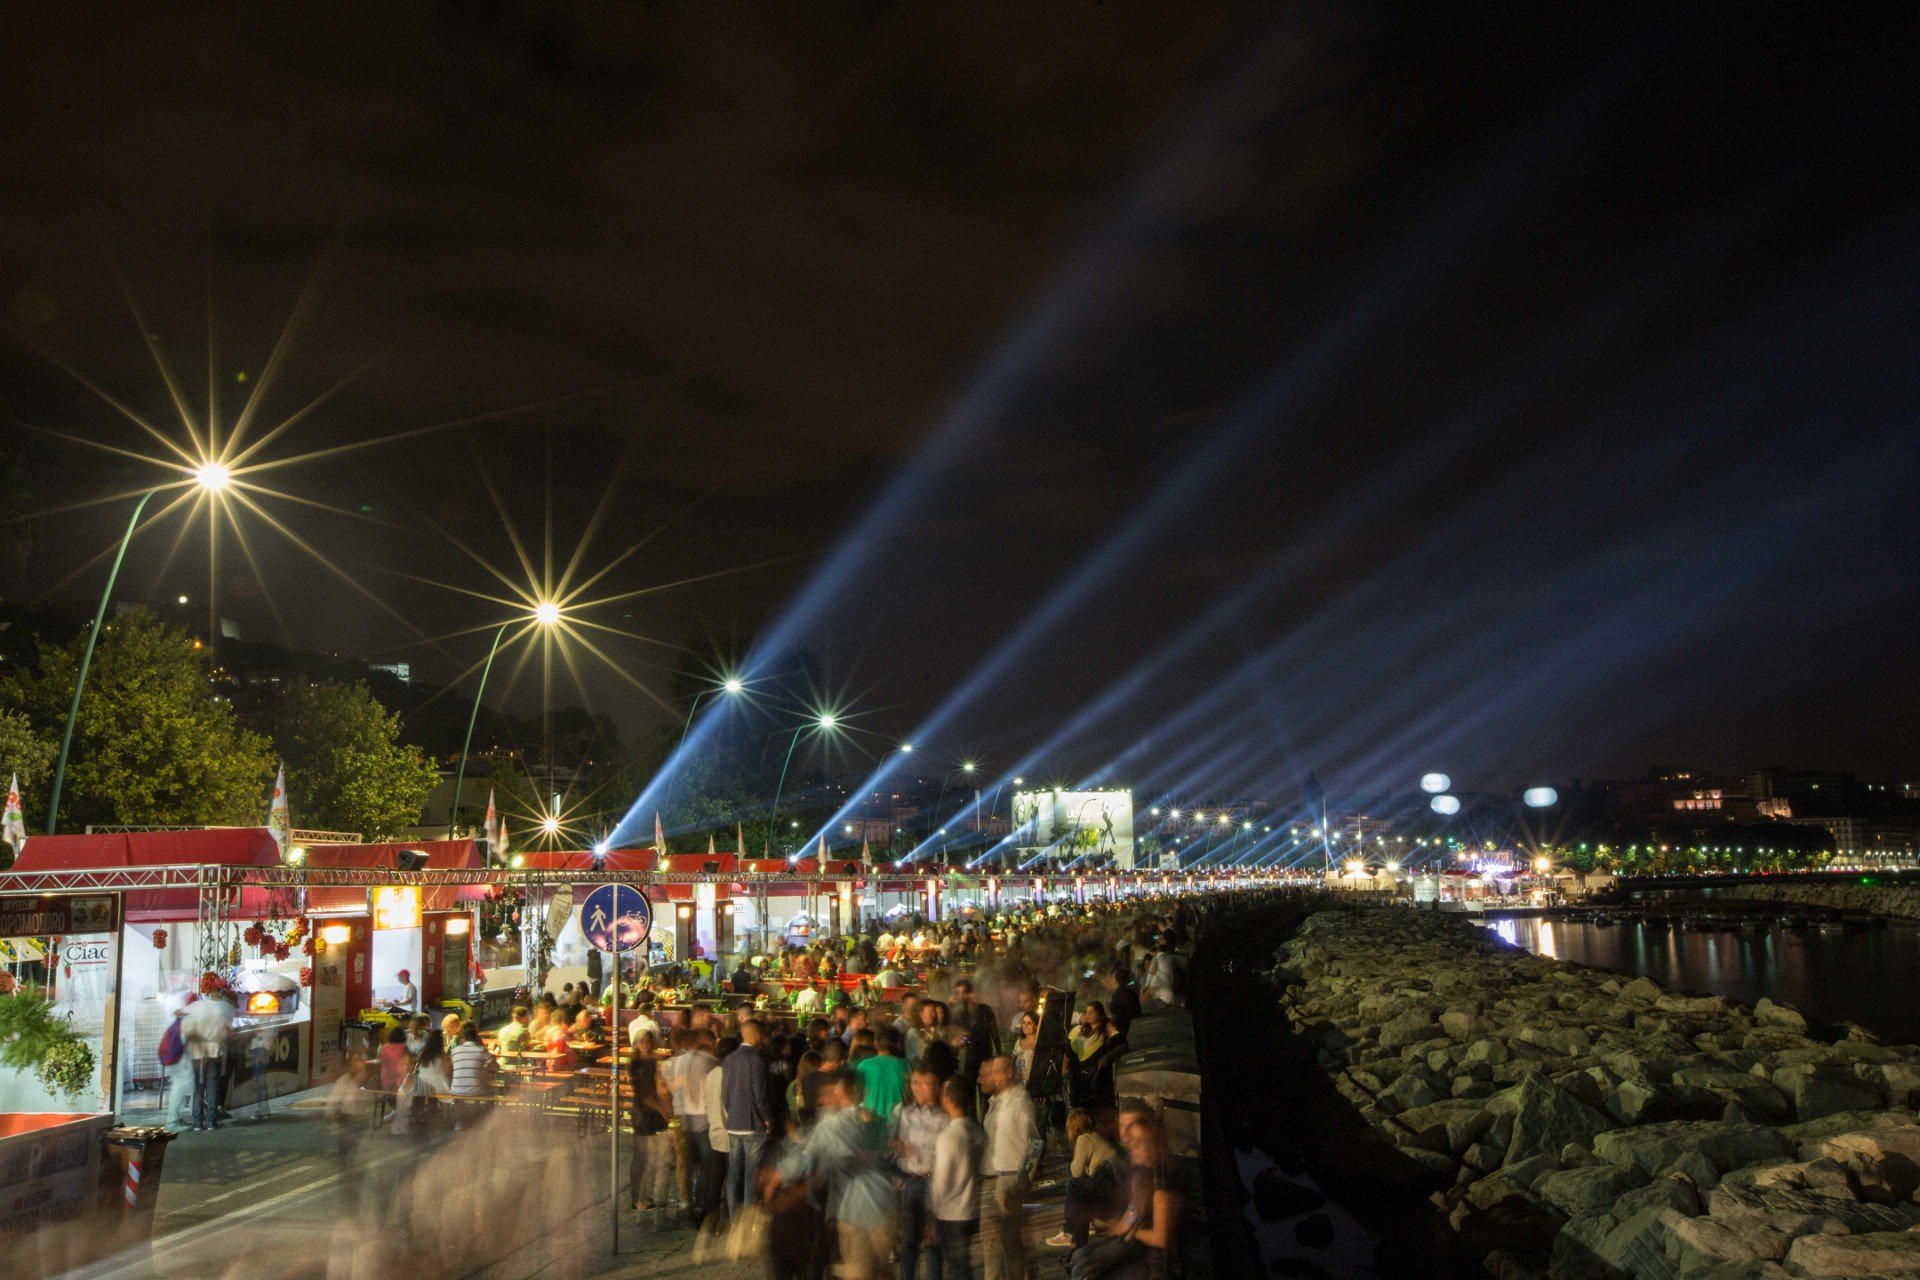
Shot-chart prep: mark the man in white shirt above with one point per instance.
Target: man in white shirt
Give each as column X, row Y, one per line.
column 686, row 1074
column 953, row 1192
column 1012, row 1135
column 206, row 1028
column 806, row 1000
column 713, row 1171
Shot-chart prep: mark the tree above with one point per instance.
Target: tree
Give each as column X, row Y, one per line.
column 152, row 744
column 29, row 754
column 347, row 769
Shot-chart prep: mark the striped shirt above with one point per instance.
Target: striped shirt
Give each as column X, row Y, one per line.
column 471, row 1062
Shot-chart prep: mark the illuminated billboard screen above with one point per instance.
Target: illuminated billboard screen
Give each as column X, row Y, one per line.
column 1094, row 825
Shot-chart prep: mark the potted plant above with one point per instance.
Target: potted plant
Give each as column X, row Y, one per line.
column 33, row 1036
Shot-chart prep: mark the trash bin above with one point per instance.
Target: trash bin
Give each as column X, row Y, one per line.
column 135, row 1157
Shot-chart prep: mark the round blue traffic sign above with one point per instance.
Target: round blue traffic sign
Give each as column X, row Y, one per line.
column 616, row 917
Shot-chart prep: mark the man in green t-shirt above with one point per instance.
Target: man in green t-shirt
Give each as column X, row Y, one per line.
column 884, row 1074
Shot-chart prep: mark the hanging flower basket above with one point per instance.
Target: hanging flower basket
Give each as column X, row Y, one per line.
column 159, row 939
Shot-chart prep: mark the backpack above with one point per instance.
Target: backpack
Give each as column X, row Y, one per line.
column 173, row 1046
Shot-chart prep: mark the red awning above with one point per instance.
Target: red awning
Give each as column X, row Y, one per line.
column 211, row 846
column 442, row 855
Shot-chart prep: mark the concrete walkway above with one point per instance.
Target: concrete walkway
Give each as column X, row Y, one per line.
column 276, row 1200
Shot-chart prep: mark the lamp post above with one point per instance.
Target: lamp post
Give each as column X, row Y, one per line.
column 824, row 720
column 211, row 477
column 731, row 686
column 545, row 614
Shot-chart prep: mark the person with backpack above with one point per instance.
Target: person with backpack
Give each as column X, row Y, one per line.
column 173, row 1056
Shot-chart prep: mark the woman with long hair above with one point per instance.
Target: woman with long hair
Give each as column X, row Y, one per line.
column 1024, row 1046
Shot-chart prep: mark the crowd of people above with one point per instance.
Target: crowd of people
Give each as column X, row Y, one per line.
column 901, row 1137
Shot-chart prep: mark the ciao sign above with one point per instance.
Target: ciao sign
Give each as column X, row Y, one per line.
column 47, row 916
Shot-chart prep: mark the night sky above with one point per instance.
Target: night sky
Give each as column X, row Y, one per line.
column 1524, row 393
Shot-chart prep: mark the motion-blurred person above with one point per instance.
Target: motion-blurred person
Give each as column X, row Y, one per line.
column 953, row 1192
column 748, row 1115
column 1013, row 1135
column 206, row 1027
column 172, row 1053
column 915, row 1132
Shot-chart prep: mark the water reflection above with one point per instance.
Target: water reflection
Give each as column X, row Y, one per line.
column 1831, row 976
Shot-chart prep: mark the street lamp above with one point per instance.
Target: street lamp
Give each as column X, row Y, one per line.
column 731, row 686
column 544, row 614
column 824, row 721
column 210, row 477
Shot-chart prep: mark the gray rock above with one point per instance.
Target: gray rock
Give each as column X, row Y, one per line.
column 1463, row 1024
column 1638, row 1247
column 1578, row 1191
column 1408, row 1028
column 1695, row 1168
column 1524, row 1173
column 1412, row 1090
column 1779, row 1015
column 1695, row 1245
column 1495, row 1214
column 1727, row 1146
column 1575, row 1255
column 1818, row 1090
column 1485, row 1052
column 1576, row 1156
column 1801, row 1213
column 1645, row 989
column 1547, row 1119
column 1661, row 1193
column 1881, row 1253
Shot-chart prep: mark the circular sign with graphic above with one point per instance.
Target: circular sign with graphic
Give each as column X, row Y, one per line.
column 616, row 917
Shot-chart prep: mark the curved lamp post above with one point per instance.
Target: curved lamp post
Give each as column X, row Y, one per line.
column 210, row 477
column 825, row 720
column 544, row 614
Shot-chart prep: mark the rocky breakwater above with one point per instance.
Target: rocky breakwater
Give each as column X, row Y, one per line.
column 1585, row 1125
column 1875, row 899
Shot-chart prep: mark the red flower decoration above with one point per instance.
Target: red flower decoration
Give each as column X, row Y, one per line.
column 159, row 938
column 6, row 983
column 306, row 976
column 253, row 935
column 212, row 982
column 306, row 948
column 281, row 951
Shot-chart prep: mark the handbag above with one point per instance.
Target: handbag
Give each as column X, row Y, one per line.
column 746, row 1238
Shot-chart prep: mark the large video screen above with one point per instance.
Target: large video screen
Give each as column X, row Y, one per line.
column 1094, row 825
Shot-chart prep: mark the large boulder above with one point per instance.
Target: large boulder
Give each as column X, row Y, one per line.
column 1638, row 1247
column 1880, row 1253
column 1727, row 1144
column 1577, row 1191
column 1823, row 1090
column 1547, row 1118
column 1412, row 1027
column 1695, row 1245
column 1495, row 1214
column 1775, row 1014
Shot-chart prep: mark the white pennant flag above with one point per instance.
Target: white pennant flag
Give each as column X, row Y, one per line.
column 278, row 824
column 495, row 840
column 659, row 835
column 13, row 828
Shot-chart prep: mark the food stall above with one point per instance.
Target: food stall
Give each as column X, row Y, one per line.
column 62, row 1157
